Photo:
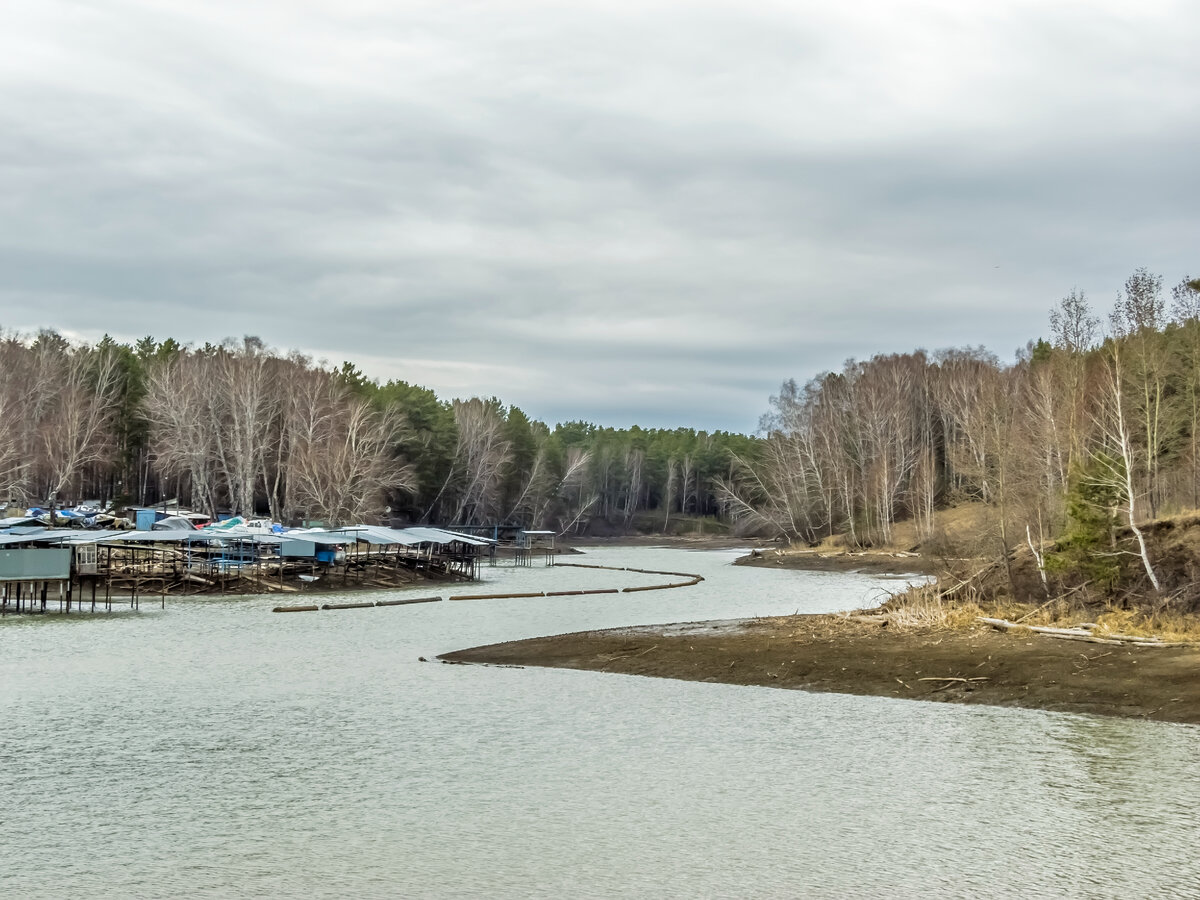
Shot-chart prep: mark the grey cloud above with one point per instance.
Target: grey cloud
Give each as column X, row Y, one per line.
column 592, row 212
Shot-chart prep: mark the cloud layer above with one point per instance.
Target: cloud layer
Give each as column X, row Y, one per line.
column 649, row 212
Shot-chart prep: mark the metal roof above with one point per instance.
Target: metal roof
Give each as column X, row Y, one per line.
column 46, row 535
column 36, row 535
column 6, row 539
column 91, row 537
column 441, row 536
column 381, row 536
column 21, row 520
column 317, row 537
column 465, row 538
column 182, row 536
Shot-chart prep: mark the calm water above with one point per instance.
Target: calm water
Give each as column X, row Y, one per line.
column 216, row 750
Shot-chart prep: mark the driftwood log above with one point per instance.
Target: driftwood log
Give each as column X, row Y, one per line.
column 1084, row 634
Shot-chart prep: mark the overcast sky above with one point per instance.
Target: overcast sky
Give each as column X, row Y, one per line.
column 623, row 212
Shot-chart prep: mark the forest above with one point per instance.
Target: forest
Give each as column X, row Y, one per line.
column 241, row 428
column 1095, row 429
column 1094, row 426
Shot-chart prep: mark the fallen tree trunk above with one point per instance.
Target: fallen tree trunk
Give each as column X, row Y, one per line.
column 1084, row 634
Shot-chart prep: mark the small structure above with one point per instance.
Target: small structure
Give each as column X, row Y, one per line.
column 118, row 565
column 529, row 543
column 26, row 575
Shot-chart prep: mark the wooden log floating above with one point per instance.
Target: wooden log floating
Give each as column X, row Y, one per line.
column 592, row 566
column 348, row 606
column 601, row 591
column 563, row 593
column 697, row 578
column 655, row 587
column 295, row 609
column 495, row 596
column 406, row 601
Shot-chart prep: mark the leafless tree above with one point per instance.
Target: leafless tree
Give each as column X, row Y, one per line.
column 342, row 458
column 635, row 459
column 1075, row 329
column 1119, row 463
column 1072, row 323
column 572, row 490
column 76, row 424
column 1136, row 318
column 178, row 408
column 241, row 407
column 482, row 456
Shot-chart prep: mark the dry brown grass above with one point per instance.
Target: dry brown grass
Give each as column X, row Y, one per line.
column 954, row 526
column 926, row 606
column 1169, row 626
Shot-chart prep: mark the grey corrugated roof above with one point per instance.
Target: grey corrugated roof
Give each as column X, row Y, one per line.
column 6, row 539
column 37, row 535
column 326, row 538
column 381, row 536
column 92, row 536
column 46, row 535
column 184, row 536
column 157, row 537
column 442, row 536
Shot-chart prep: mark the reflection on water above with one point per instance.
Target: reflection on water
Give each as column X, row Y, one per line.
column 215, row 749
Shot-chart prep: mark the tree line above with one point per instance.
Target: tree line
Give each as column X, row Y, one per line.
column 241, row 428
column 1095, row 426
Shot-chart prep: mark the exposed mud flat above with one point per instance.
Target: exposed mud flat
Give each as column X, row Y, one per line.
column 831, row 653
column 871, row 562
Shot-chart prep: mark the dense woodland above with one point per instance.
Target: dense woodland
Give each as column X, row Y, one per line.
column 1093, row 430
column 241, row 428
column 1095, row 427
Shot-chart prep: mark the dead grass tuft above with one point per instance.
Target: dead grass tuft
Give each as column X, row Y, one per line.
column 925, row 606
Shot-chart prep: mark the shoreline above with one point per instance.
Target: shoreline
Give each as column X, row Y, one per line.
column 833, row 654
column 768, row 556
column 868, row 562
column 674, row 541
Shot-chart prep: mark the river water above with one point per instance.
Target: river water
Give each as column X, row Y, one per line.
column 215, row 749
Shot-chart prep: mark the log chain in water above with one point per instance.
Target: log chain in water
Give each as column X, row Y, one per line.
column 692, row 580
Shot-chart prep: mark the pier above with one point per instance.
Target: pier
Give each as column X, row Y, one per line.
column 101, row 569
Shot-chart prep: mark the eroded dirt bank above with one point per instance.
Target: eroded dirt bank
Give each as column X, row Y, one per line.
column 830, row 653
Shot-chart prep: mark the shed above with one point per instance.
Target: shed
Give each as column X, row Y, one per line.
column 35, row 565
column 527, row 539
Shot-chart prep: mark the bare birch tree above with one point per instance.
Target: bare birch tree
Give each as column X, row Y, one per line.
column 77, row 423
column 1136, row 319
column 482, row 456
column 1074, row 328
column 178, row 408
column 241, row 405
column 342, row 458
column 1118, row 465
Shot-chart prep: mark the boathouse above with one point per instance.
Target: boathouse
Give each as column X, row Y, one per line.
column 28, row 575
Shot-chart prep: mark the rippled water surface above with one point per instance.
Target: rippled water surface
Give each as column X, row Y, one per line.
column 216, row 749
